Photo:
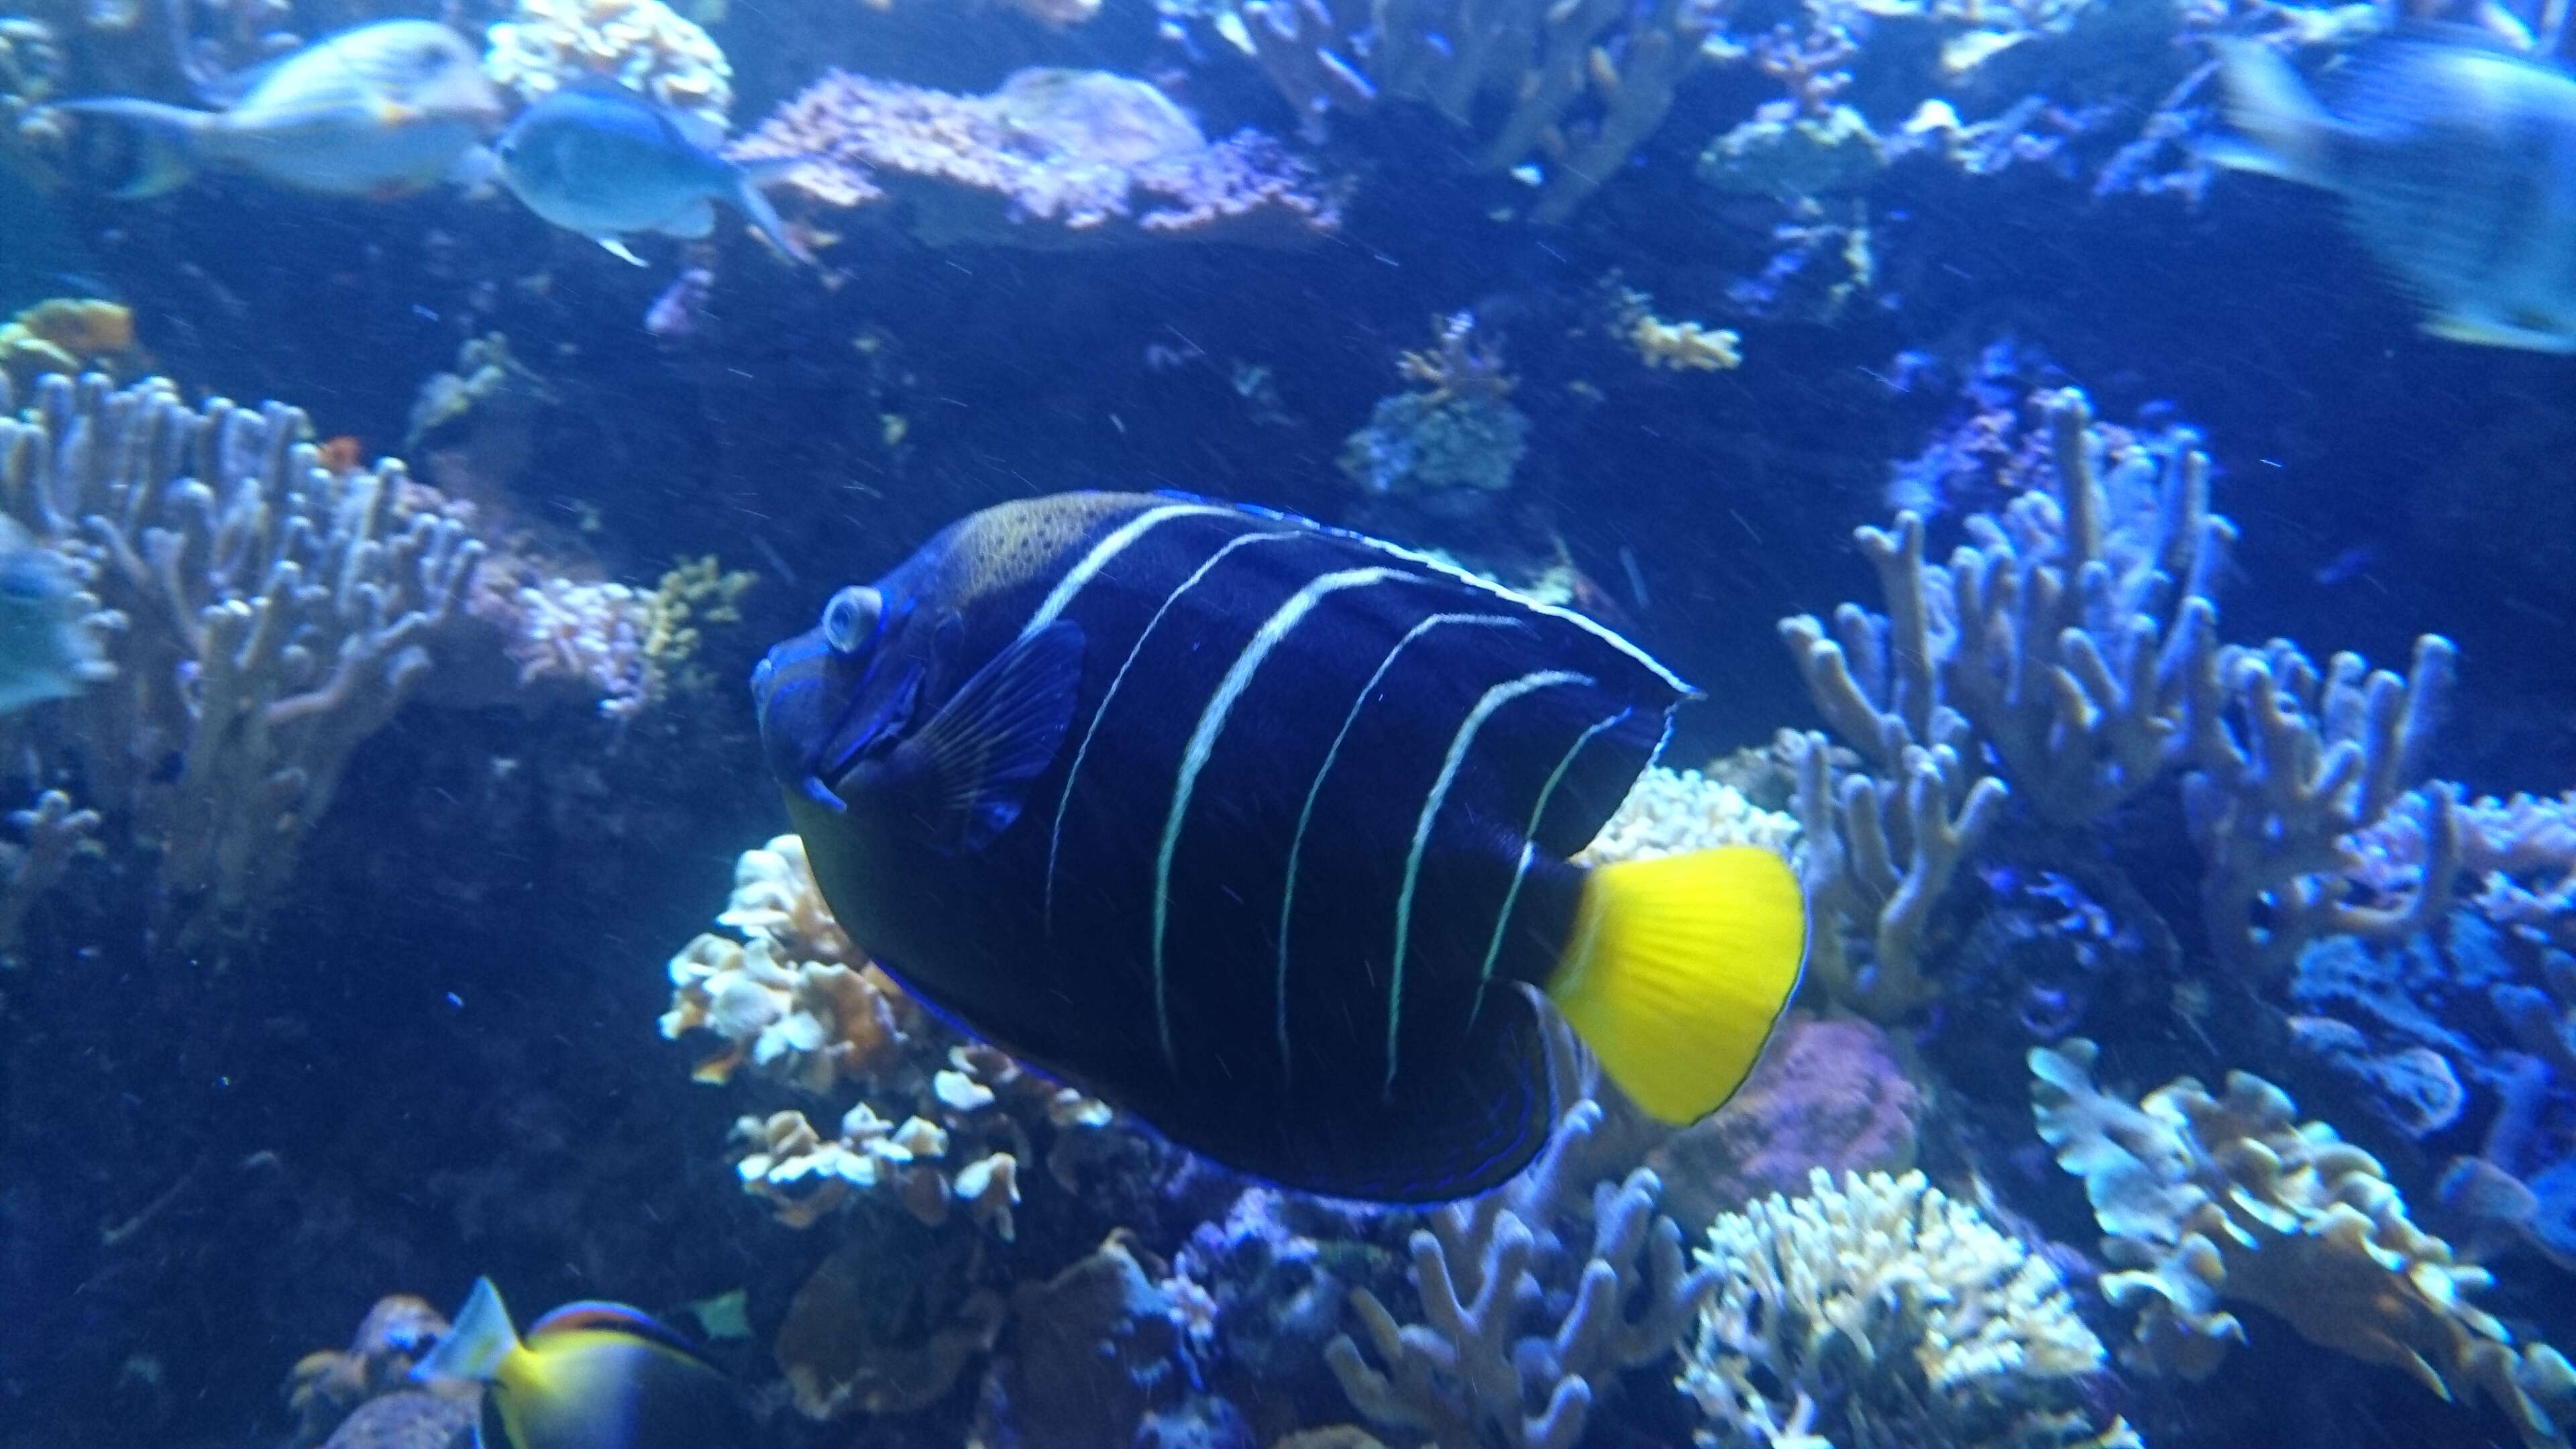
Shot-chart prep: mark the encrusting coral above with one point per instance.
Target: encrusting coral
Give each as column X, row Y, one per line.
column 643, row 45
column 942, row 1123
column 1668, row 812
column 1882, row 1311
column 271, row 614
column 1516, row 1314
column 354, row 1397
column 1053, row 158
column 629, row 648
column 2206, row 1199
column 69, row 335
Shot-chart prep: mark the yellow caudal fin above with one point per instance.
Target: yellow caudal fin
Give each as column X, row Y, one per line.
column 1677, row 970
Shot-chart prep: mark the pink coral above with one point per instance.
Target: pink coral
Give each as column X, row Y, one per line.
column 1827, row 1094
column 1053, row 158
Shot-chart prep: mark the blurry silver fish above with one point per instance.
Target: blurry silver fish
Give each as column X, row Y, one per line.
column 49, row 646
column 2456, row 160
column 608, row 163
column 379, row 111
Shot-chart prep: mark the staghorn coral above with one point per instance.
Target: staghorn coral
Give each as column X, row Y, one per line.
column 2070, row 649
column 273, row 615
column 2208, row 1199
column 1517, row 1315
column 1882, row 1311
column 2520, row 854
column 643, row 45
column 54, row 832
column 1580, row 84
column 1670, row 811
column 1053, row 158
column 1677, row 346
column 941, row 1123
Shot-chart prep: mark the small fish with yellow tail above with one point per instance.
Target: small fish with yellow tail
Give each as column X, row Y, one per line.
column 2456, row 160
column 586, row 1376
column 1259, row 830
column 377, row 111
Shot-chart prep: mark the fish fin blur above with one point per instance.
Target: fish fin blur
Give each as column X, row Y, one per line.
column 2486, row 332
column 473, row 1349
column 702, row 131
column 1678, row 968
column 975, row 758
column 596, row 1317
column 477, row 172
column 618, row 249
column 2287, row 133
column 748, row 199
column 693, row 221
column 165, row 141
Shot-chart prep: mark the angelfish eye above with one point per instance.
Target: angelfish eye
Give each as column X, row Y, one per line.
column 850, row 619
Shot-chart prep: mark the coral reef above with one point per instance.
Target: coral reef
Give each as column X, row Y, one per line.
column 628, row 648
column 329, row 1390
column 2210, row 1199
column 1581, row 84
column 643, row 45
column 1523, row 1331
column 1671, row 811
column 1827, row 1096
column 1102, row 1353
column 273, row 615
column 1053, row 158
column 1450, row 442
column 1883, row 1311
column 2067, row 657
column 941, row 1122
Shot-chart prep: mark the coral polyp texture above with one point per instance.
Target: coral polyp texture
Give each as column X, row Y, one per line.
column 940, row 1124
column 272, row 613
column 1879, row 1310
column 643, row 45
column 1053, row 158
column 1669, row 811
column 2207, row 1199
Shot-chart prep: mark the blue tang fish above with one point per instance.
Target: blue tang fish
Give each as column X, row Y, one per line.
column 607, row 163
column 587, row 1376
column 1258, row 829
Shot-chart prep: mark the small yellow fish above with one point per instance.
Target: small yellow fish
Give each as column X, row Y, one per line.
column 377, row 111
column 587, row 1376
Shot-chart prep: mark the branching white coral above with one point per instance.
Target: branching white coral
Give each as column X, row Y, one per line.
column 1884, row 1311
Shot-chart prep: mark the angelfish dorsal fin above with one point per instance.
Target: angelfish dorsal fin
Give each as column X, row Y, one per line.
column 972, row 763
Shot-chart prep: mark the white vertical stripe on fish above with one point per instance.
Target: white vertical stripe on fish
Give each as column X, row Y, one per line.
column 1102, row 552
column 1456, row 574
column 1305, row 816
column 1203, row 743
column 1459, row 744
column 1055, row 836
column 1529, row 852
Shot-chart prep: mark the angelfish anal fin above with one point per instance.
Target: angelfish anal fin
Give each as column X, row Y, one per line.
column 970, row 766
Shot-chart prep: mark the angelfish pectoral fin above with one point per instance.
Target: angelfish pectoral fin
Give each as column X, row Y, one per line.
column 821, row 794
column 971, row 765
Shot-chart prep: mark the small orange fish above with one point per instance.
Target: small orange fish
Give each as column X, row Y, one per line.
column 343, row 454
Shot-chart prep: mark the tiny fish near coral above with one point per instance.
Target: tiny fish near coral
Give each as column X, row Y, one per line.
column 606, row 163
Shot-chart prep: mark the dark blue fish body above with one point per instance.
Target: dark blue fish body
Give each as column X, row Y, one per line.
column 1253, row 827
